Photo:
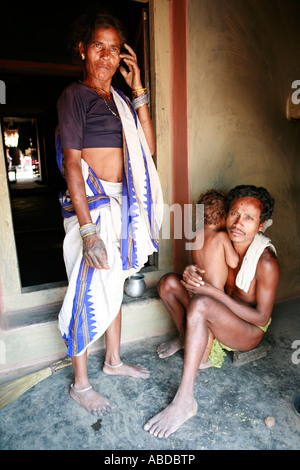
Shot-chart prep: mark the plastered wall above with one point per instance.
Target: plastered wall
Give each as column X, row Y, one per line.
column 242, row 59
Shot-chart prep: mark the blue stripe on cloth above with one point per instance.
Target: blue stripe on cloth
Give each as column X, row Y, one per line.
column 129, row 214
column 98, row 199
column 82, row 324
column 125, row 225
column 148, row 196
column 59, row 155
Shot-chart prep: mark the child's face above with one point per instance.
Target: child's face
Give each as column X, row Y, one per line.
column 222, row 223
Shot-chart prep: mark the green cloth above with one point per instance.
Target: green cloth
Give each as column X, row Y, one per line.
column 264, row 328
column 217, row 353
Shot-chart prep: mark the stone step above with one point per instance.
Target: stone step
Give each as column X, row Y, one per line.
column 243, row 357
column 32, row 340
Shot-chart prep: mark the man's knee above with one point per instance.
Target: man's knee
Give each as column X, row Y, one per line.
column 167, row 284
column 198, row 308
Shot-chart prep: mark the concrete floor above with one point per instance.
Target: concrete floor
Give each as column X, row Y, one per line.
column 232, row 402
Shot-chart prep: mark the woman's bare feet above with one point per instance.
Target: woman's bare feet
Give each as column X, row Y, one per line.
column 171, row 418
column 91, row 401
column 132, row 370
column 170, row 347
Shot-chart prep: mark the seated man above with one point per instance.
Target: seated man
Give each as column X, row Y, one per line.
column 214, row 253
column 237, row 317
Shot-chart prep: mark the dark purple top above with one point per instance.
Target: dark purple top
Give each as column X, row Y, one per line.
column 85, row 121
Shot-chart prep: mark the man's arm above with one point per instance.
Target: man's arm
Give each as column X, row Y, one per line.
column 267, row 277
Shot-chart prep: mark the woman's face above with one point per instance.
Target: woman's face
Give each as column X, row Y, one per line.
column 102, row 55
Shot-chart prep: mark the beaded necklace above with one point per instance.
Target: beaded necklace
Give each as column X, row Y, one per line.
column 104, row 99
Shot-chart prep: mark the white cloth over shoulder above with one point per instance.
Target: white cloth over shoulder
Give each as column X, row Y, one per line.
column 248, row 267
column 139, row 156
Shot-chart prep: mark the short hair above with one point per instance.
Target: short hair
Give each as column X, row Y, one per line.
column 86, row 25
column 214, row 206
column 266, row 200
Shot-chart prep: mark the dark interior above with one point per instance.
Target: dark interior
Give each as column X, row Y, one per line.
column 36, row 64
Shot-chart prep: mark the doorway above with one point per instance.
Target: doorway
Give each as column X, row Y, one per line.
column 21, row 150
column 35, row 76
column 35, row 211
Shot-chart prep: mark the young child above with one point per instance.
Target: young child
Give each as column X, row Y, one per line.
column 217, row 252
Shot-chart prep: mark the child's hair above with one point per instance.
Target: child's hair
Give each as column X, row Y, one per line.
column 214, row 206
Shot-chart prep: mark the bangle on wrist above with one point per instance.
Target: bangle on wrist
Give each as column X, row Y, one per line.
column 140, row 100
column 87, row 235
column 87, row 229
column 139, row 89
column 141, row 105
column 89, row 224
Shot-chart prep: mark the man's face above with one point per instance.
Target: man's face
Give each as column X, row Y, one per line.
column 243, row 219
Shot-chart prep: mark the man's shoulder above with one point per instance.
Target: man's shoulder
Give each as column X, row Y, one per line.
column 268, row 255
column 268, row 262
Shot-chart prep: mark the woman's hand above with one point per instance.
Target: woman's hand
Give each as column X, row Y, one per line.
column 94, row 252
column 133, row 80
column 133, row 77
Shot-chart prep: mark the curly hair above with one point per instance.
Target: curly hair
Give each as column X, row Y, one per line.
column 85, row 26
column 260, row 193
column 214, row 206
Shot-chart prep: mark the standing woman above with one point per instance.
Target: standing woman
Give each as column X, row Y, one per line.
column 113, row 205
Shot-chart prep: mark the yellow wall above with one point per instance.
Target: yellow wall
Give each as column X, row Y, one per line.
column 242, row 59
column 161, row 109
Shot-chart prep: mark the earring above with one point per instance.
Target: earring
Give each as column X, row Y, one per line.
column 82, row 56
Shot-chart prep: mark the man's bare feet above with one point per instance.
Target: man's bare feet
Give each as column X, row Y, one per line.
column 170, row 347
column 91, row 401
column 132, row 370
column 205, row 365
column 171, row 418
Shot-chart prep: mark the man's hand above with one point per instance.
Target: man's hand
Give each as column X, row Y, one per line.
column 192, row 275
column 94, row 252
column 192, row 279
